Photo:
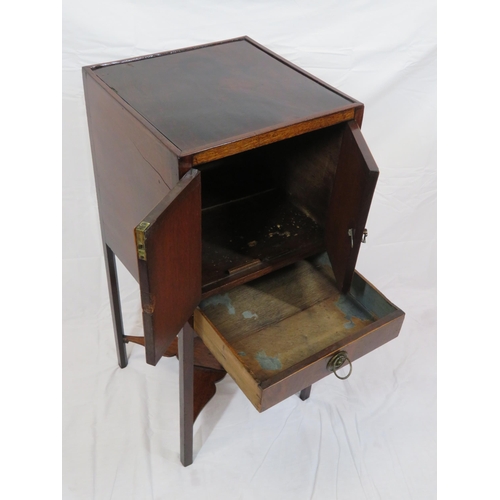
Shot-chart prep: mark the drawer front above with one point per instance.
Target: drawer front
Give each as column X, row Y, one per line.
column 275, row 335
column 310, row 372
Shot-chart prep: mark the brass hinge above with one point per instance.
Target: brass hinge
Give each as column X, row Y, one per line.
column 351, row 232
column 140, row 239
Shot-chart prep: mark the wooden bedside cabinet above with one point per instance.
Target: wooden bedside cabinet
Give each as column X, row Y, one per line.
column 235, row 187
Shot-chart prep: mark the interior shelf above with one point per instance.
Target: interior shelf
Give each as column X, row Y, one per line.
column 250, row 234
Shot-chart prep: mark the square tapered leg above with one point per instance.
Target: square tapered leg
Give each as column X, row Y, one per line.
column 116, row 309
column 186, row 393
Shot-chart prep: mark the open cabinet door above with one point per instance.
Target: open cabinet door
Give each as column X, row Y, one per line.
column 169, row 252
column 350, row 201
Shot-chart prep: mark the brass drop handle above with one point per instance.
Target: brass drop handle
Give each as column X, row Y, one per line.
column 336, row 362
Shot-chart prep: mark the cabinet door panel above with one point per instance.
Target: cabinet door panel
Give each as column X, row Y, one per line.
column 169, row 254
column 349, row 204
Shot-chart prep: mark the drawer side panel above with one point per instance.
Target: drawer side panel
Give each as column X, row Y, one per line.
column 228, row 358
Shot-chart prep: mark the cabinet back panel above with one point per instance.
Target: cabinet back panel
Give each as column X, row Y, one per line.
column 308, row 167
column 303, row 166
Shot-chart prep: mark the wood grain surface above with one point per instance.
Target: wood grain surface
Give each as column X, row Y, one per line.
column 201, row 97
column 350, row 201
column 268, row 331
column 170, row 272
column 133, row 169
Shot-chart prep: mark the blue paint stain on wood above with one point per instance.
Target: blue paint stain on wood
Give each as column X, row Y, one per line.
column 219, row 300
column 324, row 260
column 351, row 310
column 370, row 298
column 268, row 362
column 249, row 315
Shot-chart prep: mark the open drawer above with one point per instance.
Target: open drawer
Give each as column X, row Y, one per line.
column 280, row 333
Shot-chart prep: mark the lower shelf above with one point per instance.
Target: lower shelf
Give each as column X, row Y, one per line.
column 276, row 334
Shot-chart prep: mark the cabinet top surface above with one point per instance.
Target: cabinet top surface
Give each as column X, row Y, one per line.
column 214, row 94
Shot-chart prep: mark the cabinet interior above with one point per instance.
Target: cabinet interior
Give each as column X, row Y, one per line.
column 265, row 208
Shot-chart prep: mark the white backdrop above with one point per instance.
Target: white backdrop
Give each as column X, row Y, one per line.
column 370, row 437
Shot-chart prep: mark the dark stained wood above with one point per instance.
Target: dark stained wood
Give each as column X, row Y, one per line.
column 202, row 356
column 358, row 115
column 266, row 207
column 207, row 371
column 88, row 72
column 306, row 167
column 116, row 309
column 251, row 234
column 204, row 97
column 230, row 142
column 134, row 170
column 305, row 393
column 263, row 269
column 204, row 387
column 185, row 164
column 352, row 193
column 303, row 71
column 285, row 173
column 134, row 340
column 302, row 166
column 196, row 389
column 186, row 394
column 170, row 272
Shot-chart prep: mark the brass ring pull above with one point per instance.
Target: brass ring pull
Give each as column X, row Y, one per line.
column 337, row 361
